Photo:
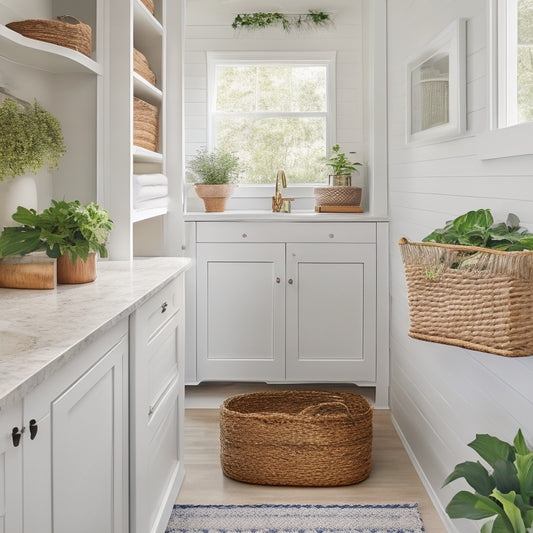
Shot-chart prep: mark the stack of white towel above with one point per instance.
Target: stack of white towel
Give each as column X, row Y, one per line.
column 150, row 191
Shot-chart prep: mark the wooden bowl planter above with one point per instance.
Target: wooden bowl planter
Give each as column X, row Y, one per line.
column 78, row 272
column 476, row 298
column 215, row 196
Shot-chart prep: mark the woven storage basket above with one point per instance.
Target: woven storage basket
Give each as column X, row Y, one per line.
column 476, row 298
column 296, row 438
column 145, row 125
column 66, row 31
column 142, row 67
column 149, row 4
column 337, row 195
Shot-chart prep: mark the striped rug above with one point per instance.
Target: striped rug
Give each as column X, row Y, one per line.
column 387, row 518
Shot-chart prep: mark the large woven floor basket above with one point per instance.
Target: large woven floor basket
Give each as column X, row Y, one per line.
column 476, row 298
column 66, row 31
column 296, row 438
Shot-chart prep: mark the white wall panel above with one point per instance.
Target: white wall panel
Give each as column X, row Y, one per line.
column 441, row 395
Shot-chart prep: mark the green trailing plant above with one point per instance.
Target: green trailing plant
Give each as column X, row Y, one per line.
column 506, row 492
column 217, row 167
column 65, row 228
column 31, row 138
column 261, row 20
column 339, row 162
column 477, row 228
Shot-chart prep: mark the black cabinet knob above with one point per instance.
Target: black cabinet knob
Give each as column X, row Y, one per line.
column 15, row 436
column 33, row 428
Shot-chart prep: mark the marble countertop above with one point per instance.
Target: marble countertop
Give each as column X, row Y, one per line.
column 294, row 216
column 45, row 328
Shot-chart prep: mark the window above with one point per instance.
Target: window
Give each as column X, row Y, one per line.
column 515, row 61
column 275, row 111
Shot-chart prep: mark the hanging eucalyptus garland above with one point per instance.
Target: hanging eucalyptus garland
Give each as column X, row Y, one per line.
column 287, row 22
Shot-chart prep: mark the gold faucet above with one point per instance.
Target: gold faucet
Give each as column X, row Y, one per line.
column 277, row 199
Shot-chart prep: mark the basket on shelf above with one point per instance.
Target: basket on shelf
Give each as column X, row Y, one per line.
column 145, row 125
column 337, row 195
column 142, row 67
column 476, row 298
column 149, row 5
column 65, row 31
column 296, row 438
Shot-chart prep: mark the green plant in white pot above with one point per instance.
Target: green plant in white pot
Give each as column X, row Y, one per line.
column 31, row 138
column 214, row 173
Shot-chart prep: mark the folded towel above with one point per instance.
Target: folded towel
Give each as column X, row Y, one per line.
column 149, row 179
column 150, row 204
column 147, row 192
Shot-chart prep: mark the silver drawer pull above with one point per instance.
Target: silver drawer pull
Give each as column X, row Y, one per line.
column 244, row 235
column 164, row 306
column 331, row 235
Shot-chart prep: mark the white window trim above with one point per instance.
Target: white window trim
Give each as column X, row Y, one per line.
column 274, row 58
column 506, row 141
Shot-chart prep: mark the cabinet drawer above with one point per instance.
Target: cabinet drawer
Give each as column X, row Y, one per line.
column 356, row 232
column 160, row 308
column 162, row 362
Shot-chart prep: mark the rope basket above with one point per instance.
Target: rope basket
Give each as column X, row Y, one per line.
column 337, row 195
column 296, row 438
column 142, row 67
column 476, row 298
column 145, row 125
column 66, row 31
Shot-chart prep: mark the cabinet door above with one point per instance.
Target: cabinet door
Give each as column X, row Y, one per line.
column 10, row 471
column 331, row 308
column 74, row 476
column 241, row 311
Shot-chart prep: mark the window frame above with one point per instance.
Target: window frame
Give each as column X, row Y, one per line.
column 501, row 140
column 327, row 59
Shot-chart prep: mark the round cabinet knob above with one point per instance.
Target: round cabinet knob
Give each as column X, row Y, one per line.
column 278, row 280
column 331, row 235
column 291, row 281
column 244, row 235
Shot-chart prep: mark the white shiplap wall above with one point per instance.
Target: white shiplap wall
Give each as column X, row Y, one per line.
column 208, row 28
column 441, row 396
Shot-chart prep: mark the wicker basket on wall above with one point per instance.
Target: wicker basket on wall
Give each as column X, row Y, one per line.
column 65, row 31
column 142, row 67
column 145, row 125
column 476, row 298
column 296, row 438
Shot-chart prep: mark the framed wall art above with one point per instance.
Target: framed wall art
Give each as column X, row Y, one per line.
column 436, row 88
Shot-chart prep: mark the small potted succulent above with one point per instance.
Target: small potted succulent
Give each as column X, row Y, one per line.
column 68, row 231
column 214, row 173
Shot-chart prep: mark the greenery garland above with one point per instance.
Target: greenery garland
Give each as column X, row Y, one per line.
column 263, row 20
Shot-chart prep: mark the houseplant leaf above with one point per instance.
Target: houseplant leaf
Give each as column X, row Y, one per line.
column 475, row 475
column 473, row 506
column 20, row 240
column 505, row 476
column 491, row 449
column 511, row 510
column 524, row 467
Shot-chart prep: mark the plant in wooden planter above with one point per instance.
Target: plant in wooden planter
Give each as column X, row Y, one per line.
column 470, row 284
column 506, row 492
column 260, row 20
column 214, row 174
column 68, row 231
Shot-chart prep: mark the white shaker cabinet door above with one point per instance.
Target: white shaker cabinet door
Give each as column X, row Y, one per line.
column 331, row 309
column 241, row 311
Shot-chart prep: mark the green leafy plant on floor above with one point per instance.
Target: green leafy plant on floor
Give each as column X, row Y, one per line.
column 477, row 228
column 261, row 20
column 339, row 162
column 31, row 138
column 64, row 228
column 506, row 492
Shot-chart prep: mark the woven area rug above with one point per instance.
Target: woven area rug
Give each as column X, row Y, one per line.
column 393, row 518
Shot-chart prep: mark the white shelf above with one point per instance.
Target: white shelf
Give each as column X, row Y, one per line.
column 144, row 214
column 141, row 155
column 144, row 22
column 146, row 91
column 44, row 56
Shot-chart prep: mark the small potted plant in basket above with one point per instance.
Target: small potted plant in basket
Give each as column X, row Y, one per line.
column 68, row 231
column 215, row 174
column 341, row 167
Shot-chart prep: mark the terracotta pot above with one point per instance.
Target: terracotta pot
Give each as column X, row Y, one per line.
column 79, row 272
column 215, row 196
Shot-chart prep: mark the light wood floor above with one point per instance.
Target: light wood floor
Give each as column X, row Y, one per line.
column 393, row 478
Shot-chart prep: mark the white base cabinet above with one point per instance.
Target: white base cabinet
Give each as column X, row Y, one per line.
column 289, row 302
column 156, row 408
column 70, row 466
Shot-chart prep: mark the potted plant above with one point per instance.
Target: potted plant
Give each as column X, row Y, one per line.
column 68, row 231
column 341, row 167
column 506, row 492
column 214, row 174
column 31, row 139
